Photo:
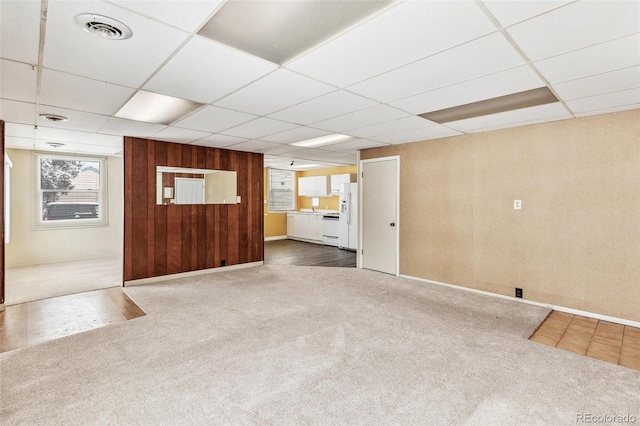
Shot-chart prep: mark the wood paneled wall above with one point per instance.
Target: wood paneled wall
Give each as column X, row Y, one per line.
column 2, row 213
column 169, row 239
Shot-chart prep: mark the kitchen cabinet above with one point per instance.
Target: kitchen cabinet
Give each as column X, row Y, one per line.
column 338, row 180
column 305, row 226
column 314, row 186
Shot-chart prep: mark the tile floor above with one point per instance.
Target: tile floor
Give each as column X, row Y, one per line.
column 606, row 341
column 29, row 324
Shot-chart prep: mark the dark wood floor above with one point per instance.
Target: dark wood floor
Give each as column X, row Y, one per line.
column 291, row 252
column 28, row 324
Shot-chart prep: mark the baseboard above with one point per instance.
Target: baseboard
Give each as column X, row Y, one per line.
column 587, row 314
column 1, row 307
column 161, row 278
column 278, row 237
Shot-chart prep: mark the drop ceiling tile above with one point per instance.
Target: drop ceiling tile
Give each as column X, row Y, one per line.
column 187, row 15
column 274, row 92
column 510, row 12
column 97, row 150
column 123, row 127
column 576, row 26
column 259, row 128
column 20, row 31
column 339, row 157
column 280, row 149
column 388, row 127
column 18, row 81
column 17, row 112
column 607, row 110
column 407, row 32
column 105, row 140
column 174, row 134
column 295, row 135
column 614, row 81
column 204, row 71
column 324, row 107
column 24, row 131
column 219, row 141
column 127, row 62
column 78, row 120
column 252, row 146
column 607, row 100
column 82, row 94
column 547, row 112
column 353, row 146
column 362, row 118
column 18, row 143
column 214, row 119
column 432, row 132
column 502, row 83
column 65, row 136
column 610, row 56
column 486, row 55
column 310, row 154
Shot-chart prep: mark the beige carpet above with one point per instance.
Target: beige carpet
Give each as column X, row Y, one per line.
column 304, row 345
column 29, row 283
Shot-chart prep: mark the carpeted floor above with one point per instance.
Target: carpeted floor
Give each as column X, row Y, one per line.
column 307, row 345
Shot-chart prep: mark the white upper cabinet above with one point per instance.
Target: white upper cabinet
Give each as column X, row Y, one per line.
column 313, row 186
column 338, row 180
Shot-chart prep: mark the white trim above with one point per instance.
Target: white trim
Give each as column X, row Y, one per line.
column 278, row 237
column 161, row 278
column 360, row 209
column 531, row 302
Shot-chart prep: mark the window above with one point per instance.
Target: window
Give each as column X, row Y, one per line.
column 282, row 190
column 71, row 191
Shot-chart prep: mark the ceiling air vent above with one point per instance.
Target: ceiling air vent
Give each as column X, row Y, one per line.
column 55, row 144
column 103, row 26
column 53, row 117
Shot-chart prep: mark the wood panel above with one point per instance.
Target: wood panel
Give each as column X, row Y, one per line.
column 169, row 239
column 2, row 214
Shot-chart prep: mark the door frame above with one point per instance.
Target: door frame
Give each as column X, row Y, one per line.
column 361, row 202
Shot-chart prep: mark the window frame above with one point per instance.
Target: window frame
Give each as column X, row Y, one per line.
column 103, row 206
column 294, row 192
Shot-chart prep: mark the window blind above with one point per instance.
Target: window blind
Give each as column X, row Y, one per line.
column 282, row 190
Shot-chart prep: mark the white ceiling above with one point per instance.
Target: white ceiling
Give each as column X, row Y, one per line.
column 370, row 82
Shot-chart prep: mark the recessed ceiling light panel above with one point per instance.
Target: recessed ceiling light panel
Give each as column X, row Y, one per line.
column 103, row 26
column 324, row 140
column 53, row 117
column 154, row 108
column 278, row 31
column 526, row 99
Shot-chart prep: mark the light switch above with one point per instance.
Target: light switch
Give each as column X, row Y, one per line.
column 517, row 204
column 238, row 199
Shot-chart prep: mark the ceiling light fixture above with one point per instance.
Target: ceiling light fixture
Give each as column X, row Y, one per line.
column 278, row 31
column 53, row 117
column 103, row 26
column 154, row 108
column 526, row 99
column 55, row 144
column 323, row 140
column 306, row 166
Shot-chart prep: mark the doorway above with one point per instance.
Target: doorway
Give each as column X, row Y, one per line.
column 379, row 218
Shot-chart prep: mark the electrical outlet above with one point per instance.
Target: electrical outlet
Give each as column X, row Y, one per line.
column 224, row 262
column 518, row 293
column 517, row 204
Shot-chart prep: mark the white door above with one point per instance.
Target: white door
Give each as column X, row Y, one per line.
column 189, row 191
column 380, row 215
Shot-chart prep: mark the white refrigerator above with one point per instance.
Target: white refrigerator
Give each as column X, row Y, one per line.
column 348, row 223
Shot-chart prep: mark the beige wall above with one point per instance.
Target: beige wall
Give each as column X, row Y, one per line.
column 576, row 241
column 29, row 246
